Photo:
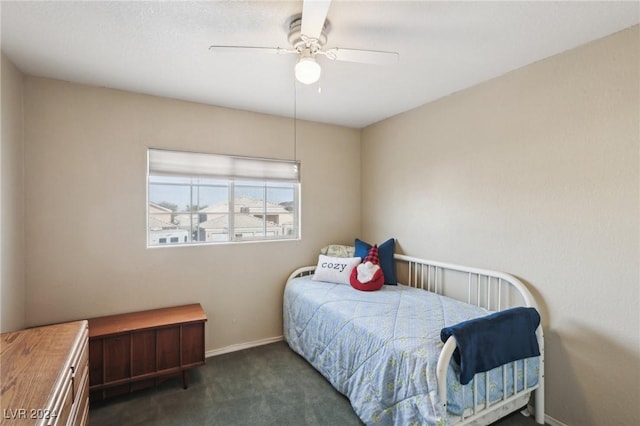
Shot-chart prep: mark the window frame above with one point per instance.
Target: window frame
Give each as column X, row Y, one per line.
column 232, row 183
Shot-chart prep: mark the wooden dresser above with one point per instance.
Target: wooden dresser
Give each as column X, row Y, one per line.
column 134, row 350
column 45, row 376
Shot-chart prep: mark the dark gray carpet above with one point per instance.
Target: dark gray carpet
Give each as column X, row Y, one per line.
column 266, row 385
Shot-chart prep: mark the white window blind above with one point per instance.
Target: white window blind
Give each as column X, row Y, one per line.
column 178, row 163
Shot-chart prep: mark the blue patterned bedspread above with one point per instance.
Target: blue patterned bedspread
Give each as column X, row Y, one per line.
column 380, row 349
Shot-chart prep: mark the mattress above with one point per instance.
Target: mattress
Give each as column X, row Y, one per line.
column 381, row 348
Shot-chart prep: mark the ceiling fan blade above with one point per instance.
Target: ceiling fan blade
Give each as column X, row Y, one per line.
column 376, row 57
column 314, row 13
column 244, row 49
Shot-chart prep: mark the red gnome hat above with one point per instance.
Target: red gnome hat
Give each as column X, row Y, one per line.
column 373, row 256
column 368, row 275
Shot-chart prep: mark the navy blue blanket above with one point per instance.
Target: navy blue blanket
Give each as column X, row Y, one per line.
column 488, row 342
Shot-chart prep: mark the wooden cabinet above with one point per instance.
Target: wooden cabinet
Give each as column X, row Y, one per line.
column 133, row 351
column 45, row 375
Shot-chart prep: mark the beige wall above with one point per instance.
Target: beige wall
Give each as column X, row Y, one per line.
column 535, row 173
column 12, row 287
column 85, row 208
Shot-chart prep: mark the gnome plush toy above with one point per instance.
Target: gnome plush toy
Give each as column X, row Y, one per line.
column 368, row 275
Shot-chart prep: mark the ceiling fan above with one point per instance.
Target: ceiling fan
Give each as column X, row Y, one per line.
column 308, row 36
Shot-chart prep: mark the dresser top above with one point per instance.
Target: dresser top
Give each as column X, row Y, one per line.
column 33, row 363
column 122, row 323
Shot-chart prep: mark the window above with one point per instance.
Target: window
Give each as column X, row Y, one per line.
column 196, row 198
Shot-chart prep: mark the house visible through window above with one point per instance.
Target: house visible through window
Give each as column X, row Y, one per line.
column 198, row 198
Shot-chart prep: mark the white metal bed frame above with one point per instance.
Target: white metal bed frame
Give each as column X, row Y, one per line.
column 485, row 288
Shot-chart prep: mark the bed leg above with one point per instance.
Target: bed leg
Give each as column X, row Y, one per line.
column 539, row 393
column 539, row 407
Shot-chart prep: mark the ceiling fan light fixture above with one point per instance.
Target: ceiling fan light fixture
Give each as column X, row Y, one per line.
column 307, row 70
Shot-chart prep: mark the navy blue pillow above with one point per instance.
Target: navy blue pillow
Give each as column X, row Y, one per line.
column 385, row 251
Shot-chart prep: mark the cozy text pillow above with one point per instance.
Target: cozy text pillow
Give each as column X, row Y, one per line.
column 335, row 269
column 386, row 251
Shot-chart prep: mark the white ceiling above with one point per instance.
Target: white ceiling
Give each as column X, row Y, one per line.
column 161, row 48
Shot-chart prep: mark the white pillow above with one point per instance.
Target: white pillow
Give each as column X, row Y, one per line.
column 335, row 269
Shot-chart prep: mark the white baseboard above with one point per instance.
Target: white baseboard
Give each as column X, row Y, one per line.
column 241, row 346
column 547, row 418
column 552, row 422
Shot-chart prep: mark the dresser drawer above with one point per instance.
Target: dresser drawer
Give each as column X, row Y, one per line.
column 62, row 409
column 80, row 370
column 81, row 404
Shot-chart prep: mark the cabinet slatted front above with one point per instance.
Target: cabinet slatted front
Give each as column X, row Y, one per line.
column 132, row 351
